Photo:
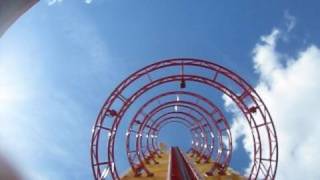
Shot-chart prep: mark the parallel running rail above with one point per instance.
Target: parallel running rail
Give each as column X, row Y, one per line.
column 179, row 168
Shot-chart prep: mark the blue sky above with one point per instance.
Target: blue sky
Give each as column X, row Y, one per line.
column 60, row 61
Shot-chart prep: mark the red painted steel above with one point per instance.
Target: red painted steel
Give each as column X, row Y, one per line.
column 179, row 167
column 265, row 143
column 206, row 148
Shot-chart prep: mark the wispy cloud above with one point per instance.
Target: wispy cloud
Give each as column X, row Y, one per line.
column 88, row 1
column 52, row 2
column 42, row 119
column 291, row 92
column 290, row 21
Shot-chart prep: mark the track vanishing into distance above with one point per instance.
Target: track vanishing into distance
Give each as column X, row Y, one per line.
column 176, row 91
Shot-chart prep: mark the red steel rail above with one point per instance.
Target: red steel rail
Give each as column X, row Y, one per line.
column 179, row 167
column 249, row 103
column 205, row 148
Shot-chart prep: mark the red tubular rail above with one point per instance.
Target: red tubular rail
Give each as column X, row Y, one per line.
column 179, row 169
column 244, row 96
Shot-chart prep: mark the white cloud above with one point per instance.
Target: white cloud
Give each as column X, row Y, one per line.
column 290, row 21
column 88, row 1
column 290, row 88
column 41, row 121
column 52, row 2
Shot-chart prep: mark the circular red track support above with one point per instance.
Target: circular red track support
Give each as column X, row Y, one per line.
column 249, row 103
column 206, row 130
